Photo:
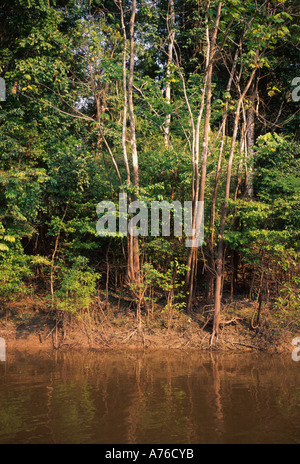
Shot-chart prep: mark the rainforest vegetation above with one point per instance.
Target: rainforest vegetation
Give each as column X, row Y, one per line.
column 162, row 100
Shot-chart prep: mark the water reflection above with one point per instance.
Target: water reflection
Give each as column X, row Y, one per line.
column 152, row 398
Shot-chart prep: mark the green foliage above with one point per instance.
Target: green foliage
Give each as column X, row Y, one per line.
column 63, row 68
column 5, row 239
column 287, row 304
column 170, row 283
column 77, row 286
column 14, row 271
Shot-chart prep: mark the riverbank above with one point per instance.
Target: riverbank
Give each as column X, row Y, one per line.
column 28, row 324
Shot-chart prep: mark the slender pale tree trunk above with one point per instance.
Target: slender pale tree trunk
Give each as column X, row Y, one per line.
column 134, row 153
column 250, row 137
column 220, row 257
column 211, row 259
column 199, row 186
column 170, row 24
column 124, row 147
column 134, row 258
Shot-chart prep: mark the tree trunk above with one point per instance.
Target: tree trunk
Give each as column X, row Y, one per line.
column 211, row 254
column 199, row 190
column 220, row 257
column 124, row 147
column 250, row 142
column 170, row 24
column 133, row 261
column 211, row 260
column 133, row 144
column 133, row 252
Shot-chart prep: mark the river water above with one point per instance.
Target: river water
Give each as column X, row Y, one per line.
column 152, row 398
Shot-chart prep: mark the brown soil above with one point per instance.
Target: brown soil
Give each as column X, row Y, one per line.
column 29, row 326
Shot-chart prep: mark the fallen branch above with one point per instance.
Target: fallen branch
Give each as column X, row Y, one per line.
column 231, row 321
column 242, row 344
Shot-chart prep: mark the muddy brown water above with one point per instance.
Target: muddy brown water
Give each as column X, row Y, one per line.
column 148, row 398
